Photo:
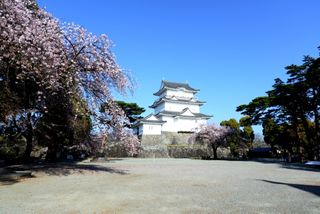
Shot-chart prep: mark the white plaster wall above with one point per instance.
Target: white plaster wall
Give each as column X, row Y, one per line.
column 180, row 124
column 186, row 124
column 169, row 125
column 149, row 129
column 180, row 93
column 202, row 122
column 178, row 107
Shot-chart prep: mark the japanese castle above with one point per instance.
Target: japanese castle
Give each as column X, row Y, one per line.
column 176, row 110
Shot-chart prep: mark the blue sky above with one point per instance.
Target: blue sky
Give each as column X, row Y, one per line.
column 231, row 50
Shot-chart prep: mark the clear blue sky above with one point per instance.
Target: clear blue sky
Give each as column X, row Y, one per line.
column 231, row 50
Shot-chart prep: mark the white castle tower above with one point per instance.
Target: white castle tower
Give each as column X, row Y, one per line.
column 175, row 110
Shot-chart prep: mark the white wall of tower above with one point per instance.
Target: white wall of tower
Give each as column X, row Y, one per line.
column 178, row 107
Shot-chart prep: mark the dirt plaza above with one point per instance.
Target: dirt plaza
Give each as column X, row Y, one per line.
column 165, row 186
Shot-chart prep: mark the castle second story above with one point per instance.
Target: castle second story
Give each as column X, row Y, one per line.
column 176, row 97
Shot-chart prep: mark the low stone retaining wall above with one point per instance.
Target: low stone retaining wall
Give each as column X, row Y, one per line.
column 115, row 149
column 175, row 145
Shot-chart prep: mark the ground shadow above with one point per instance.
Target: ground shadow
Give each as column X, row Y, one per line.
column 115, row 159
column 286, row 165
column 313, row 189
column 8, row 180
column 8, row 177
column 299, row 166
column 12, row 174
column 103, row 160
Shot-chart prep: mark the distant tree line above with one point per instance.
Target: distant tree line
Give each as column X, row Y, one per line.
column 289, row 113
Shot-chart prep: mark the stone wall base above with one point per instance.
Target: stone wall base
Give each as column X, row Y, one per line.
column 176, row 145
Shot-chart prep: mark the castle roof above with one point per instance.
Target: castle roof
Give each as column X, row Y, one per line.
column 150, row 119
column 177, row 100
column 184, row 113
column 174, row 85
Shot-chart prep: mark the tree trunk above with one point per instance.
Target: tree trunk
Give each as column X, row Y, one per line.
column 29, row 137
column 290, row 152
column 308, row 148
column 215, row 155
column 317, row 129
column 51, row 152
column 53, row 148
column 299, row 141
column 316, row 149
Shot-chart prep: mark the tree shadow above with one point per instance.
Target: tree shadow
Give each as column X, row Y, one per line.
column 286, row 165
column 8, row 177
column 13, row 174
column 8, row 180
column 313, row 189
column 299, row 166
column 104, row 160
column 115, row 159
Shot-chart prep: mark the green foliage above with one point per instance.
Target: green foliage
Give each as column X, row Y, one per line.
column 245, row 121
column 232, row 123
column 290, row 111
column 67, row 123
column 248, row 135
column 241, row 137
column 132, row 110
column 256, row 110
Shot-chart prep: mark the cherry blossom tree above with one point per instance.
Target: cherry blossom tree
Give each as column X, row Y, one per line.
column 40, row 57
column 30, row 60
column 113, row 123
column 211, row 135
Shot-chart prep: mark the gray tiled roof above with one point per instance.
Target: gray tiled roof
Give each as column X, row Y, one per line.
column 152, row 121
column 178, row 85
column 146, row 121
column 157, row 102
column 174, row 85
column 173, row 113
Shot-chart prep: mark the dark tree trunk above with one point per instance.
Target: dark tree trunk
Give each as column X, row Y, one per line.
column 53, row 148
column 29, row 137
column 316, row 149
column 215, row 155
column 308, row 148
column 51, row 153
column 298, row 142
column 317, row 130
column 289, row 159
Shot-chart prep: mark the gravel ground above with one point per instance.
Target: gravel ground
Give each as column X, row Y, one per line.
column 165, row 186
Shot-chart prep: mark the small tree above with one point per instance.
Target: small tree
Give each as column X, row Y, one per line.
column 213, row 136
column 233, row 140
column 242, row 135
column 113, row 125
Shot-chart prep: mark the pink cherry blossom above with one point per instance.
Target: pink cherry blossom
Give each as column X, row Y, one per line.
column 64, row 55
